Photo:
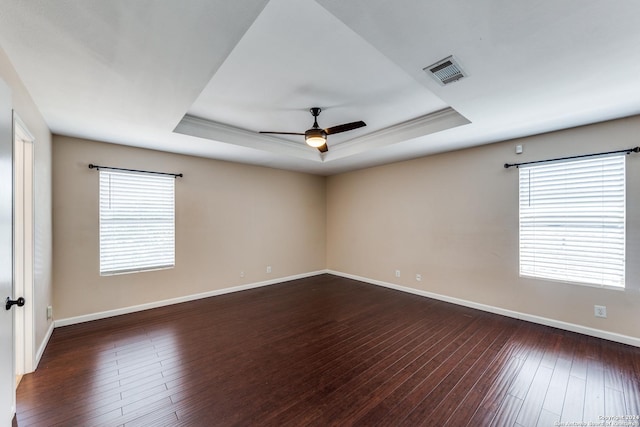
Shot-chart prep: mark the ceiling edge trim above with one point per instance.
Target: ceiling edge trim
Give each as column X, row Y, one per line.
column 209, row 129
column 437, row 121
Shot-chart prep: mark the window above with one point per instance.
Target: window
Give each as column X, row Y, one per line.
column 137, row 222
column 572, row 220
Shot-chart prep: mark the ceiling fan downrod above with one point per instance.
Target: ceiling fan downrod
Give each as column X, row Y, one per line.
column 315, row 112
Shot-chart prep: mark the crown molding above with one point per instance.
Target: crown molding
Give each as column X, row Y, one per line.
column 209, row 129
column 437, row 121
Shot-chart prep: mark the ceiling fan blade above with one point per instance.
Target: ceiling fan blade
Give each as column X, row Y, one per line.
column 345, row 127
column 323, row 148
column 284, row 133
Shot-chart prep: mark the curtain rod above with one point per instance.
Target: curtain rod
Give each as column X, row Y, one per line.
column 98, row 167
column 627, row 151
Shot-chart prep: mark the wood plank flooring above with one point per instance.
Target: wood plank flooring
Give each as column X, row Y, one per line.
column 326, row 351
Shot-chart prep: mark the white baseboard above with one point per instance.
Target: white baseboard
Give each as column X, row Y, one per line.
column 7, row 419
column 155, row 304
column 43, row 346
column 572, row 327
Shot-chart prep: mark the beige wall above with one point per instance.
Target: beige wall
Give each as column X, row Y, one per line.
column 229, row 218
column 25, row 107
column 453, row 218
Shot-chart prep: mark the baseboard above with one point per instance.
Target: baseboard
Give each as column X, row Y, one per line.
column 43, row 346
column 156, row 304
column 7, row 419
column 572, row 327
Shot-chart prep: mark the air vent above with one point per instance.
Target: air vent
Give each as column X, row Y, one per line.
column 445, row 71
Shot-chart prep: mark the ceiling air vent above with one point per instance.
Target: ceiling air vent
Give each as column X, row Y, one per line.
column 445, row 71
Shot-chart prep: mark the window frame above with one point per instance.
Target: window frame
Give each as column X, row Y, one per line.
column 153, row 227
column 572, row 212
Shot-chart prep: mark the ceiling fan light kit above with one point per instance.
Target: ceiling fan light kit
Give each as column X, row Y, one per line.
column 317, row 137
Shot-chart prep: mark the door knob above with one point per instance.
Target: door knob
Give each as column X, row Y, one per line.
column 19, row 302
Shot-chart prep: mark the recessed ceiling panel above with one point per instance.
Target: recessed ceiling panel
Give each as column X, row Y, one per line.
column 297, row 55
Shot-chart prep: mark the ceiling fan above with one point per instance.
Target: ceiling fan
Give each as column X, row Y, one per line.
column 316, row 137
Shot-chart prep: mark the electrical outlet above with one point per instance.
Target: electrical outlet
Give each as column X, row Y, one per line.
column 49, row 312
column 600, row 311
column 419, row 277
column 242, row 274
column 268, row 269
column 397, row 273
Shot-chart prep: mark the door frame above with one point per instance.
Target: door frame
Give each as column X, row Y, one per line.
column 7, row 352
column 24, row 242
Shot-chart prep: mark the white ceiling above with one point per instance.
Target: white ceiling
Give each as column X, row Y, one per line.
column 203, row 77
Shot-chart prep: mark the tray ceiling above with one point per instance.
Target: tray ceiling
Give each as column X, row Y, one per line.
column 204, row 79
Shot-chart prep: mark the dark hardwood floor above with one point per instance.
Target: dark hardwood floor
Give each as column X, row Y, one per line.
column 326, row 351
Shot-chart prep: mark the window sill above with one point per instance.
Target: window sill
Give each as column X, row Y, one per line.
column 118, row 273
column 567, row 282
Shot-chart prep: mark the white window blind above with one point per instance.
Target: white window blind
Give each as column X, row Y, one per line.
column 137, row 221
column 572, row 220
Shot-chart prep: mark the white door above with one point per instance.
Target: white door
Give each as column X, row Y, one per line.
column 7, row 370
column 23, row 245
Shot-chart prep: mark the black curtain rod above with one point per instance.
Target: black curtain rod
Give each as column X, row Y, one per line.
column 98, row 167
column 627, row 151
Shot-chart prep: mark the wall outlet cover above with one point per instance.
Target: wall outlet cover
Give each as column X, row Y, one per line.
column 600, row 311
